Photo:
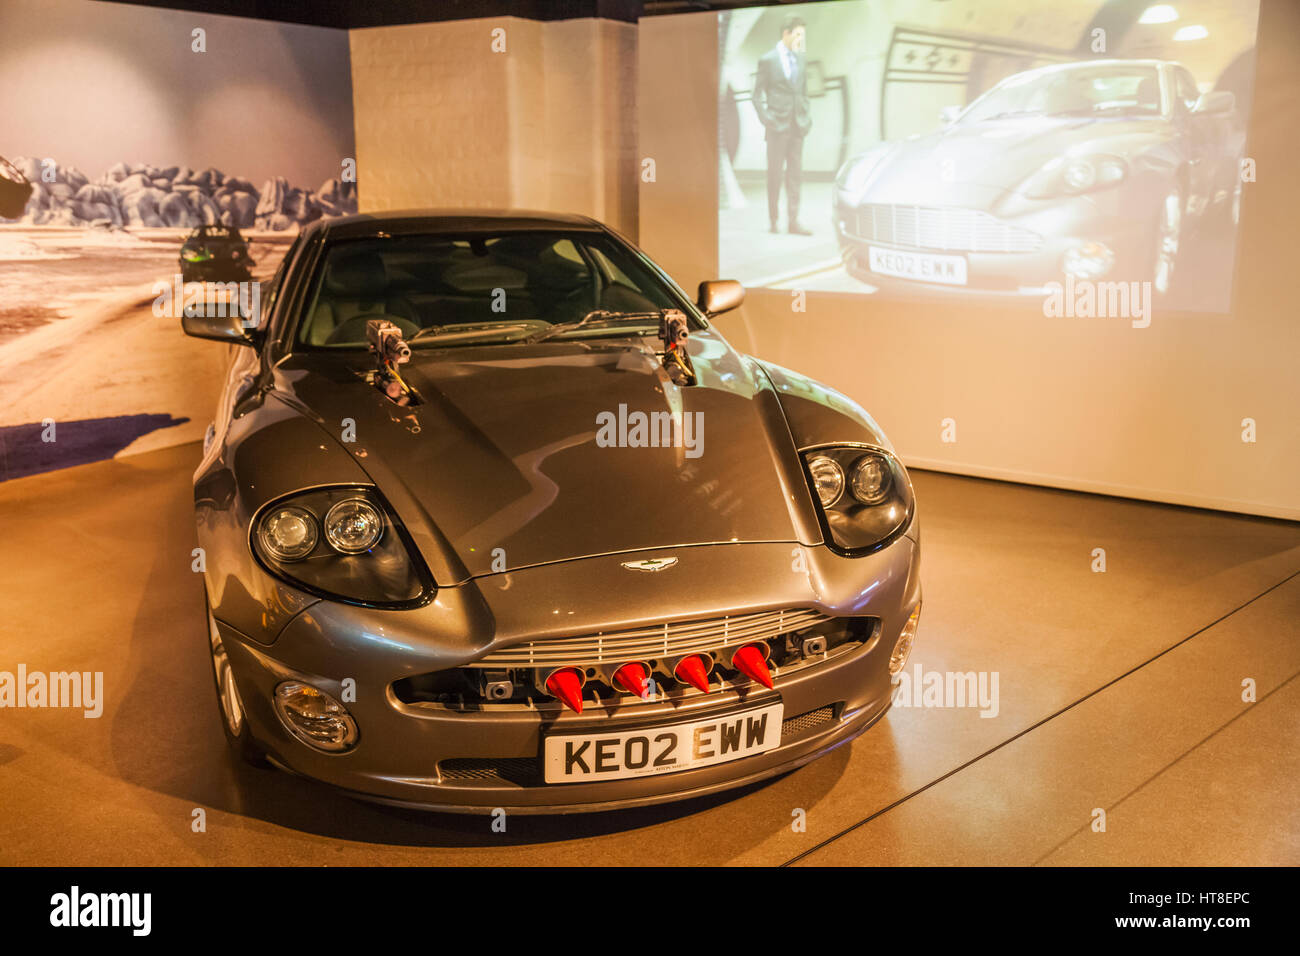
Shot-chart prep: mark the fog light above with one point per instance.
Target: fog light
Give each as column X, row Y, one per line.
column 903, row 646
column 316, row 718
column 1092, row 260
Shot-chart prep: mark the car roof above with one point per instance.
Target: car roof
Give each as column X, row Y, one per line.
column 458, row 221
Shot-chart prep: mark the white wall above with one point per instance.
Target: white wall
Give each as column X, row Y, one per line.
column 443, row 120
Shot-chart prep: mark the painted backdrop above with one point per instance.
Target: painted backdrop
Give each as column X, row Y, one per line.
column 124, row 128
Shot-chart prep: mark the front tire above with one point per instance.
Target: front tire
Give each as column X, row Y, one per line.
column 234, row 720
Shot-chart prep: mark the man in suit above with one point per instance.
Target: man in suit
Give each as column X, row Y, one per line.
column 781, row 100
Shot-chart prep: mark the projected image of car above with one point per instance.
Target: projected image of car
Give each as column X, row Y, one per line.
column 1096, row 170
column 494, row 516
column 215, row 253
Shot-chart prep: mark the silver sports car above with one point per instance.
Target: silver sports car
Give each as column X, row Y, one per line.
column 493, row 516
column 1088, row 169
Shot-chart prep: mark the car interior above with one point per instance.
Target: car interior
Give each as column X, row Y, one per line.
column 424, row 282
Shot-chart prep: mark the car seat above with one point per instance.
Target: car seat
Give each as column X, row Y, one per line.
column 356, row 288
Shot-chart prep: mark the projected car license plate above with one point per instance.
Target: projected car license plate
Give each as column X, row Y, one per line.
column 639, row 753
column 922, row 266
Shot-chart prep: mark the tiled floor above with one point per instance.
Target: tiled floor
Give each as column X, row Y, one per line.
column 1118, row 692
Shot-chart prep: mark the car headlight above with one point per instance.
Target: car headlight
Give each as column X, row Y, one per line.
column 864, row 494
column 353, row 525
column 871, row 479
column 828, row 479
column 288, row 533
column 1072, row 175
column 341, row 543
column 853, row 175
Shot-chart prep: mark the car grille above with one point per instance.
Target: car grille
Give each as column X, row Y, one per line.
column 520, row 770
column 941, row 228
column 661, row 640
column 794, row 726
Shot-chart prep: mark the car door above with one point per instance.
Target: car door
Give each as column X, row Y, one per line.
column 1199, row 139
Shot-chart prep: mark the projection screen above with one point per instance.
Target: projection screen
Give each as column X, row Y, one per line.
column 1038, row 241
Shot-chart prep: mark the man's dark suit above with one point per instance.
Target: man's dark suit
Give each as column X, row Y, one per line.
column 783, row 109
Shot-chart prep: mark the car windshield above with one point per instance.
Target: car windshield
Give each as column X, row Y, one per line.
column 445, row 291
column 1074, row 92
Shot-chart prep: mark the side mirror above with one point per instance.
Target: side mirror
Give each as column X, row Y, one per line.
column 948, row 115
column 720, row 295
column 227, row 328
column 1218, row 102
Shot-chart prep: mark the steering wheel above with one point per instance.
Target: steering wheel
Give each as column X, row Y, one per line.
column 354, row 329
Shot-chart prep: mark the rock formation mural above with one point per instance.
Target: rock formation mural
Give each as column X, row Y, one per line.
column 173, row 196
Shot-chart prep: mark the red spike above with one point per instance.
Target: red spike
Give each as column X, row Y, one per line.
column 752, row 662
column 566, row 684
column 693, row 671
column 632, row 678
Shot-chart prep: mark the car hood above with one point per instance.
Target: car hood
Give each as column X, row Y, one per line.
column 504, row 464
column 978, row 165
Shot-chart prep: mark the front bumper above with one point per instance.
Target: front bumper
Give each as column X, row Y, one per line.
column 478, row 759
column 1117, row 219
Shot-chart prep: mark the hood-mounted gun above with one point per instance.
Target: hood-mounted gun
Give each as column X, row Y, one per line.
column 390, row 350
column 673, row 333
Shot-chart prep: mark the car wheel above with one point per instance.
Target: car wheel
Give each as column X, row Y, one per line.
column 234, row 721
column 1229, row 214
column 1168, row 237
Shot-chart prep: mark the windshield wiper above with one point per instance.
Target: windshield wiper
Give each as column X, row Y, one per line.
column 595, row 319
column 468, row 333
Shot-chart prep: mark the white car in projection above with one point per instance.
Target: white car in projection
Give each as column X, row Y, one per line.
column 1092, row 169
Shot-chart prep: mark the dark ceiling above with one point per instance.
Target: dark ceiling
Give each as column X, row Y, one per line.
column 350, row 14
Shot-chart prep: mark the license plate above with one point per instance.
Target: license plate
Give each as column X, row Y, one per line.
column 638, row 753
column 922, row 266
